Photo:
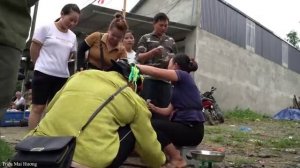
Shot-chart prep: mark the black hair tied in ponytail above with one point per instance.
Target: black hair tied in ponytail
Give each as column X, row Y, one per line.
column 185, row 63
column 193, row 66
column 118, row 16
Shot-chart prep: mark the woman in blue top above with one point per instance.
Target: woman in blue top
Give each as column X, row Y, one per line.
column 185, row 127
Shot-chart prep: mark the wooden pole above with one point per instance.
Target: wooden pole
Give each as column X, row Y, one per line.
column 124, row 8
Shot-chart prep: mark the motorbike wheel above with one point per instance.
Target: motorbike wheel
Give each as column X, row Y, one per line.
column 208, row 117
column 220, row 116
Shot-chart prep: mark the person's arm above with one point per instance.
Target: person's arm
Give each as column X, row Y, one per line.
column 163, row 111
column 166, row 74
column 38, row 39
column 142, row 54
column 35, row 49
column 147, row 144
column 72, row 55
column 143, row 57
column 83, row 47
column 123, row 53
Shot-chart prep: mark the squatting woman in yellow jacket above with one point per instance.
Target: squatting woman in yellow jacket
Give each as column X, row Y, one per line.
column 124, row 123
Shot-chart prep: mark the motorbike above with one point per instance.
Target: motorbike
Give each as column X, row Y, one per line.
column 211, row 109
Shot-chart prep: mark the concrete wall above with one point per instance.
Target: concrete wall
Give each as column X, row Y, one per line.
column 242, row 78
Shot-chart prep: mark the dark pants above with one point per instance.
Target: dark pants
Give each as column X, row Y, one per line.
column 127, row 141
column 159, row 92
column 44, row 87
column 178, row 133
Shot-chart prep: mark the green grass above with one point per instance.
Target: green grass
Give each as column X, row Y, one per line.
column 233, row 136
column 5, row 150
column 284, row 143
column 239, row 161
column 244, row 115
column 218, row 139
column 264, row 133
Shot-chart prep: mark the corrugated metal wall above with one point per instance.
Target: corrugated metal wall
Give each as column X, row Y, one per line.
column 227, row 22
column 220, row 20
column 271, row 47
column 294, row 59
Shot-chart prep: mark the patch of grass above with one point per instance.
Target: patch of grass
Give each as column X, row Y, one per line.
column 244, row 114
column 218, row 139
column 5, row 150
column 240, row 136
column 283, row 143
column 258, row 143
column 214, row 130
column 245, row 133
column 239, row 161
column 259, row 135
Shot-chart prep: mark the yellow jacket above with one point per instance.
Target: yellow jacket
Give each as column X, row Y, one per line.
column 98, row 144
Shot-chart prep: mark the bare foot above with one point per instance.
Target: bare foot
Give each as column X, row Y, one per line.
column 177, row 163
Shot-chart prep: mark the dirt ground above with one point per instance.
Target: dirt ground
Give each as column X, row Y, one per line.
column 243, row 153
column 13, row 134
column 254, row 144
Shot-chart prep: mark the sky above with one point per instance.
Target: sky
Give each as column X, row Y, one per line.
column 279, row 16
column 49, row 10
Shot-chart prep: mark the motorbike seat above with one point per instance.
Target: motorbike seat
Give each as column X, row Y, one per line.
column 205, row 98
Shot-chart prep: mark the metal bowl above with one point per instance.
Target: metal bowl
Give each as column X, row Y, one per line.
column 205, row 155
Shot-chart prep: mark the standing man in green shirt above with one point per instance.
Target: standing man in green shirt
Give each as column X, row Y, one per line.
column 156, row 49
column 15, row 22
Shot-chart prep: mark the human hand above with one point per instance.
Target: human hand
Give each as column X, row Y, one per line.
column 157, row 51
column 152, row 106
